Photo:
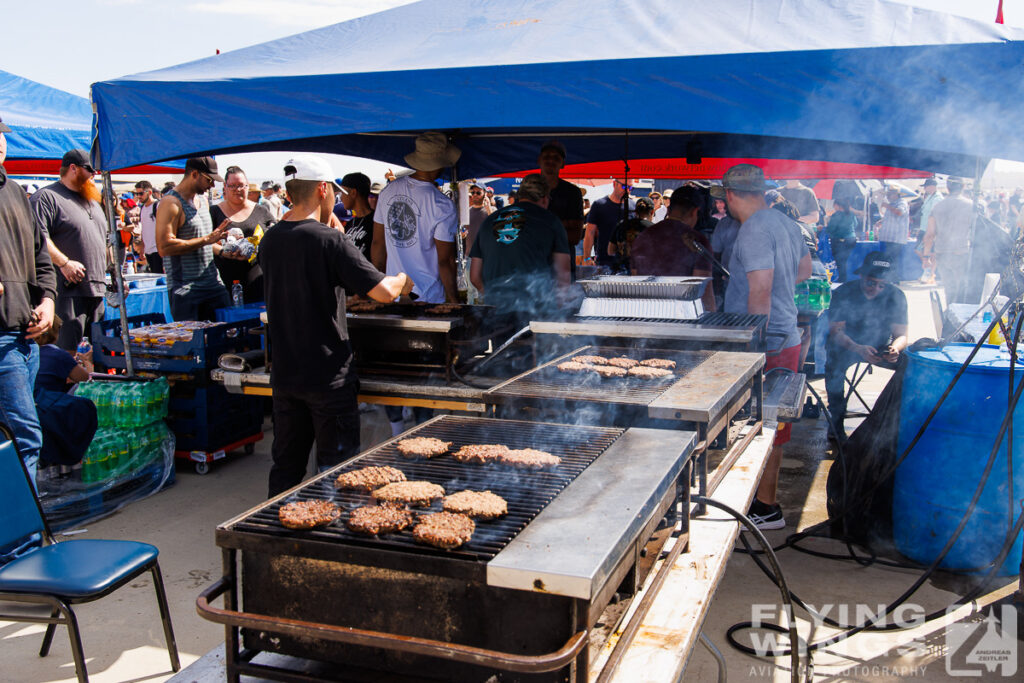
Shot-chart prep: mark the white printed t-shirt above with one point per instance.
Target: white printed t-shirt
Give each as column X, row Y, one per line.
column 414, row 213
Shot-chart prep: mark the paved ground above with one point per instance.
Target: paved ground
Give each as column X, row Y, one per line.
column 123, row 640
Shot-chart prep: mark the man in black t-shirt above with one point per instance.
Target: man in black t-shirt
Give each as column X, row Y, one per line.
column 355, row 197
column 521, row 256
column 565, row 199
column 604, row 215
column 308, row 268
column 867, row 323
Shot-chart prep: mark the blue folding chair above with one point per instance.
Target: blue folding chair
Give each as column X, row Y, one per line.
column 59, row 575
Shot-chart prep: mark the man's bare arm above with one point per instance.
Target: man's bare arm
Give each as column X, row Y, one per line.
column 476, row 273
column 804, row 269
column 446, row 269
column 378, row 249
column 170, row 217
column 73, row 271
column 391, row 287
column 759, row 300
column 560, row 264
column 589, row 237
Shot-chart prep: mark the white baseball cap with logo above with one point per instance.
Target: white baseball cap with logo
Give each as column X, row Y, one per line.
column 310, row 167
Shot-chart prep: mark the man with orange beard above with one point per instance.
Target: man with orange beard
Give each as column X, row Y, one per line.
column 70, row 215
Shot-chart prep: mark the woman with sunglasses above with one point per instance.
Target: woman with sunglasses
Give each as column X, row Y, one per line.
column 253, row 220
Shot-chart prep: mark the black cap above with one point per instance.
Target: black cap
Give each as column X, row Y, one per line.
column 555, row 145
column 645, row 204
column 78, row 157
column 359, row 182
column 267, row 185
column 687, row 196
column 876, row 264
column 207, row 165
column 4, row 128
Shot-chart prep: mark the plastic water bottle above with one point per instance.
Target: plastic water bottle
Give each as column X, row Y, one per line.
column 237, row 299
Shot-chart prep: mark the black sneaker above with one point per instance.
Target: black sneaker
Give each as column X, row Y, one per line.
column 766, row 517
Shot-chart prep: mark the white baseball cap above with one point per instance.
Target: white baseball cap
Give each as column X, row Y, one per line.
column 310, row 167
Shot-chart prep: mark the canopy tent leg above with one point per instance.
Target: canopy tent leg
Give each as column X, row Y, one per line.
column 118, row 261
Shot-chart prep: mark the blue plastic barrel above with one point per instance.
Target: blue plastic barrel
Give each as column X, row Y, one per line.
column 934, row 485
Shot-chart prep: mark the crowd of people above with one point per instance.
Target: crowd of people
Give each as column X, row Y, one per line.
column 329, row 238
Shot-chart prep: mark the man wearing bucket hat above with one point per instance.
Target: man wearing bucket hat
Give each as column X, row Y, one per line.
column 867, row 323
column 768, row 259
column 415, row 225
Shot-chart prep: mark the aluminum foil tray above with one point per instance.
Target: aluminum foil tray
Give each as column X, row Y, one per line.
column 647, row 309
column 645, row 287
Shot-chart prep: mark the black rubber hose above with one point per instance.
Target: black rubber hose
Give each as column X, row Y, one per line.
column 780, row 581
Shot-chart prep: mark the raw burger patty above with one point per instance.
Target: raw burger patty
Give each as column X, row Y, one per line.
column 422, row 447
column 369, row 478
column 308, row 514
column 574, row 367
column 444, row 529
column 480, row 453
column 609, row 370
column 590, row 360
column 649, row 373
column 530, row 459
column 379, row 519
column 478, row 504
column 623, row 362
column 421, row 493
column 659, row 363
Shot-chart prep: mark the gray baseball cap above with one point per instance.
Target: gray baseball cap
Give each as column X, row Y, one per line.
column 741, row 178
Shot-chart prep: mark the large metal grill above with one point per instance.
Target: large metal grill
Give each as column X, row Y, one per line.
column 527, row 492
column 548, row 382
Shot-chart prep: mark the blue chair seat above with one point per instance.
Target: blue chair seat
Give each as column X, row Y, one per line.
column 76, row 569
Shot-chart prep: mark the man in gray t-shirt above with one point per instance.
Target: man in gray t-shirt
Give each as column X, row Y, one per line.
column 768, row 259
column 948, row 237
column 69, row 213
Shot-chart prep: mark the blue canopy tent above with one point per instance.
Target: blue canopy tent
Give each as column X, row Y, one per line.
column 45, row 123
column 865, row 81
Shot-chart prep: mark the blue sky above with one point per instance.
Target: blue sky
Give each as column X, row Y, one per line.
column 70, row 44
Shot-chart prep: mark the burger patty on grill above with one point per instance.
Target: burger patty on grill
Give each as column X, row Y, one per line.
column 575, row 367
column 480, row 454
column 443, row 309
column 623, row 362
column 422, row 447
column 419, row 493
column 379, row 519
column 446, row 530
column 644, row 372
column 608, row 370
column 308, row 514
column 659, row 363
column 369, row 478
column 529, row 459
column 591, row 360
column 478, row 504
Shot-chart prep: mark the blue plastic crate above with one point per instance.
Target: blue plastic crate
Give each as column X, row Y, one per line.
column 199, row 353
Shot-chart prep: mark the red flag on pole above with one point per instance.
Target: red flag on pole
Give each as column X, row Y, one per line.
column 999, row 13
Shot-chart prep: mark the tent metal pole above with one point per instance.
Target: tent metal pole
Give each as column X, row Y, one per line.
column 118, row 259
column 460, row 248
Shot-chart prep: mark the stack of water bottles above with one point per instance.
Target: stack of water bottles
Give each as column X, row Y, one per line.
column 813, row 295
column 131, row 432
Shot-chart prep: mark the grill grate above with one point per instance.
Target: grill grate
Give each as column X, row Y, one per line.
column 548, row 382
column 527, row 493
column 716, row 319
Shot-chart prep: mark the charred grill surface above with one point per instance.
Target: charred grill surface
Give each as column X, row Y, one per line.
column 527, row 492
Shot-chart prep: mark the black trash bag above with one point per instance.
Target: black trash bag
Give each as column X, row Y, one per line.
column 859, row 495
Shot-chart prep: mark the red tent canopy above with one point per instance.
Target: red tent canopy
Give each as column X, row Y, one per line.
column 52, row 167
column 713, row 168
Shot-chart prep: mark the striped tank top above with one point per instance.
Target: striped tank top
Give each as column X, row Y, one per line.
column 195, row 268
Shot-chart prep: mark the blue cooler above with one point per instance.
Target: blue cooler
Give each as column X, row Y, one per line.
column 936, row 482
